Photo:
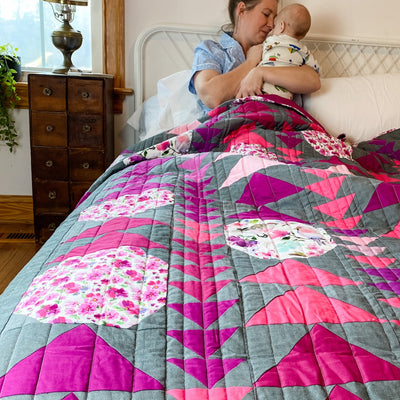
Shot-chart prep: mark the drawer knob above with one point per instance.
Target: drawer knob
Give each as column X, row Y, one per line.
column 47, row 91
column 85, row 95
column 86, row 128
column 52, row 195
column 49, row 163
column 49, row 128
column 86, row 165
column 52, row 226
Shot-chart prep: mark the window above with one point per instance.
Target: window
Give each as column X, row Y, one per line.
column 28, row 24
column 108, row 41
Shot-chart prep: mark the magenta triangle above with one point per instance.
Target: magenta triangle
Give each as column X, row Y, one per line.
column 323, row 358
column 275, row 190
column 338, row 393
column 386, row 194
column 200, row 290
column 208, row 372
column 70, row 397
column 203, row 343
column 58, row 367
column 195, row 311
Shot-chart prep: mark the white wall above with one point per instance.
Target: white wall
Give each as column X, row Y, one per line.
column 355, row 18
column 15, row 168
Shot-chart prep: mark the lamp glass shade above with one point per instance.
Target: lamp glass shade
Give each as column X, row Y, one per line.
column 70, row 2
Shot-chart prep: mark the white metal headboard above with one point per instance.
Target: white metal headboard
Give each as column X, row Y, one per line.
column 163, row 50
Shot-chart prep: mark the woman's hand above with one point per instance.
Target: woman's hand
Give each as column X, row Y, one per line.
column 251, row 84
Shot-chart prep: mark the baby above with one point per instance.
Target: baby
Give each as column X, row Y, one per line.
column 283, row 46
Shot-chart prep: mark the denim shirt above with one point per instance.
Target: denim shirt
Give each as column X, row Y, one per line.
column 221, row 57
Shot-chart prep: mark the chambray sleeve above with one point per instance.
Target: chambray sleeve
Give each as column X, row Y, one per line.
column 207, row 55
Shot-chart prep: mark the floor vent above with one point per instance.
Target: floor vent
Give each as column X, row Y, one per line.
column 17, row 237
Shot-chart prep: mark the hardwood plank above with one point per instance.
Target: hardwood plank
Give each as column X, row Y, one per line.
column 13, row 257
column 16, row 209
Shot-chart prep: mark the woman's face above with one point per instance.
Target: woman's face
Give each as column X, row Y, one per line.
column 254, row 25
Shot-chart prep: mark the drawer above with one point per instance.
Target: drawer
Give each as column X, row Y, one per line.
column 86, row 130
column 50, row 163
column 85, row 96
column 50, row 196
column 46, row 224
column 47, row 93
column 77, row 190
column 85, row 165
column 49, row 129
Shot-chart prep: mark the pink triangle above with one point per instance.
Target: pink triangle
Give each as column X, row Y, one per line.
column 395, row 233
column 299, row 307
column 59, row 367
column 209, row 311
column 348, row 223
column 230, row 393
column 336, row 208
column 338, row 393
column 321, row 173
column 366, row 250
column 328, row 187
column 208, row 372
column 323, row 358
column 198, row 272
column 199, row 232
column 394, row 301
column 201, row 290
column 361, row 241
column 376, row 262
column 294, row 273
column 192, row 270
column 326, row 173
column 196, row 258
column 110, row 241
column 211, row 272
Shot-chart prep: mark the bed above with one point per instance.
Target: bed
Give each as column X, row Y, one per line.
column 252, row 253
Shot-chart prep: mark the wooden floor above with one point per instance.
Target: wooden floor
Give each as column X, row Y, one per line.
column 14, row 253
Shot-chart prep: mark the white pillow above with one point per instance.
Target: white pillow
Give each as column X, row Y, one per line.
column 362, row 107
column 173, row 105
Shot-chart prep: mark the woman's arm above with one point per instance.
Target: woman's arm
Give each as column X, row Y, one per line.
column 214, row 88
column 301, row 80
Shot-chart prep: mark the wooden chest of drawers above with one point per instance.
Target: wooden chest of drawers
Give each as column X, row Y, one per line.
column 72, row 142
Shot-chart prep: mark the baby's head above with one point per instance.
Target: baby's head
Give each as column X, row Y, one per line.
column 293, row 20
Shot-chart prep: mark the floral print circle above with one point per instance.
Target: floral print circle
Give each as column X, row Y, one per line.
column 128, row 205
column 117, row 287
column 267, row 239
column 328, row 145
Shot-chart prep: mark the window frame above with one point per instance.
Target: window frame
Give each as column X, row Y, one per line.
column 113, row 16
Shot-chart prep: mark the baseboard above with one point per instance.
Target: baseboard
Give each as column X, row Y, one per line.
column 16, row 209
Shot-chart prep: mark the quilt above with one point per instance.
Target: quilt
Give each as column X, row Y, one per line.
column 248, row 255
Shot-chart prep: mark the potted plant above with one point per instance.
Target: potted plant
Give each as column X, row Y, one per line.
column 10, row 71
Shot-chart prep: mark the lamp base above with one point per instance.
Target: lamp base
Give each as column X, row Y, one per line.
column 67, row 40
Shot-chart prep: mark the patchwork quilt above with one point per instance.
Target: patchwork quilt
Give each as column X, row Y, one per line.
column 248, row 255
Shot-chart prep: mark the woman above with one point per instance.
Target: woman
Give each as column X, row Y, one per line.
column 228, row 69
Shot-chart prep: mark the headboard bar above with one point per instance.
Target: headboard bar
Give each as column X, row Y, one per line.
column 163, row 50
